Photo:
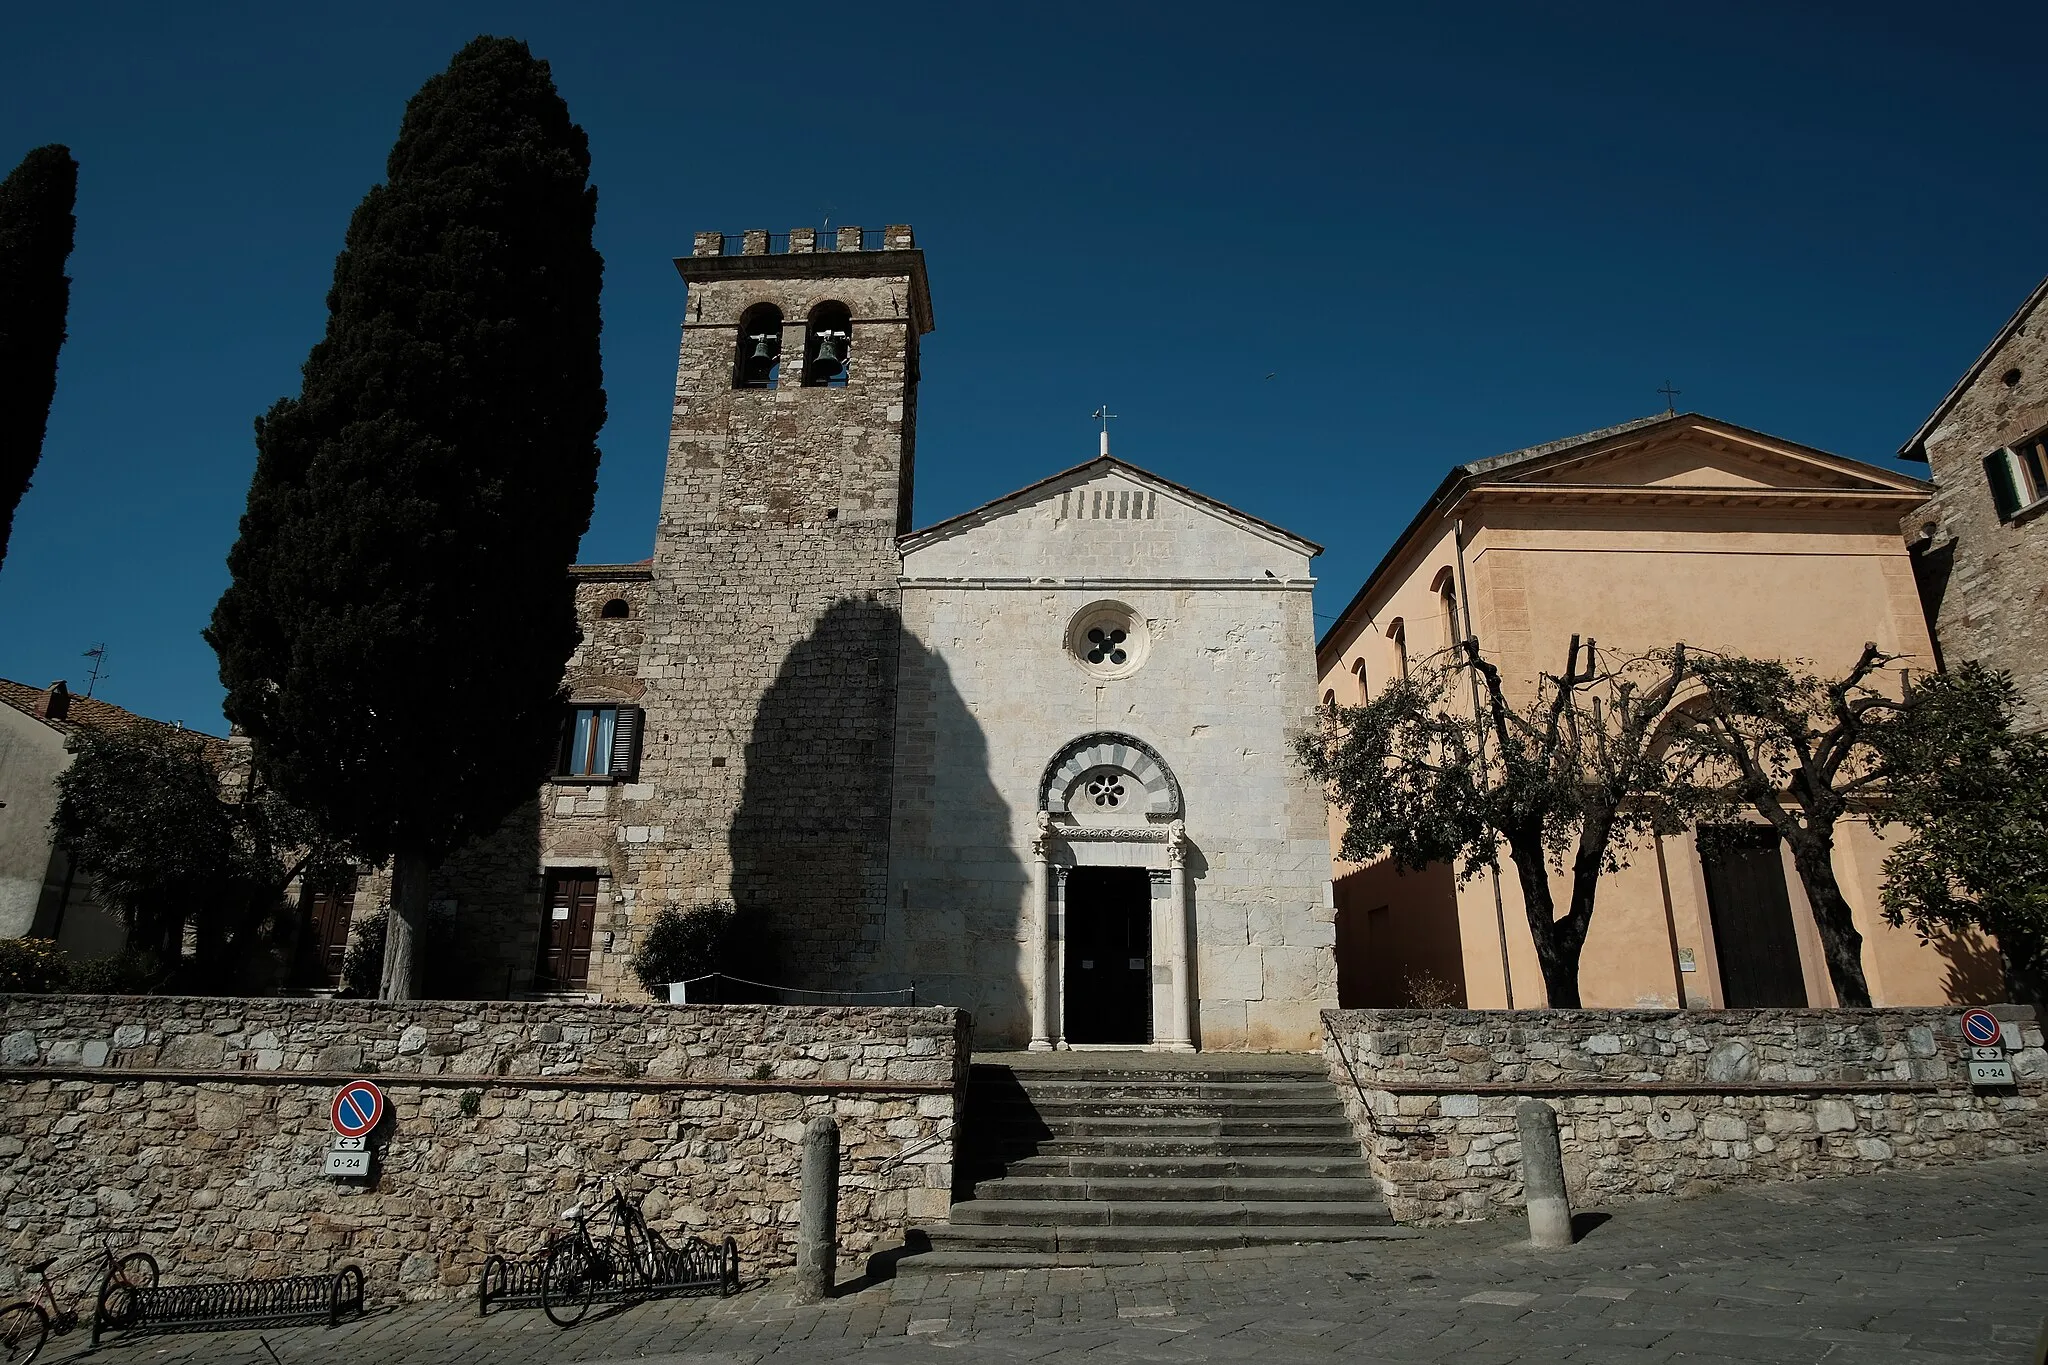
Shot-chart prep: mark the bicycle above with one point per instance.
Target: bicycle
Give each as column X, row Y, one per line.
column 26, row 1325
column 579, row 1263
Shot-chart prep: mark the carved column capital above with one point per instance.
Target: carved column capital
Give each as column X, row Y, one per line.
column 1177, row 843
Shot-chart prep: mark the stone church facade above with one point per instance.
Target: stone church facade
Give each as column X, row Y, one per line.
column 1033, row 760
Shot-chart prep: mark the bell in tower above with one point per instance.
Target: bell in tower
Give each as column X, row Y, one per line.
column 827, row 343
column 760, row 348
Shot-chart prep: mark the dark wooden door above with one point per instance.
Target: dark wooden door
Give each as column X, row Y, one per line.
column 566, row 927
column 324, row 918
column 1754, row 942
column 1108, row 979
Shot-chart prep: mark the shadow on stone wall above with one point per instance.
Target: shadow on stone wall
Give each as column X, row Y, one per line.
column 829, row 776
column 810, row 838
column 1972, row 973
column 495, row 886
column 959, row 928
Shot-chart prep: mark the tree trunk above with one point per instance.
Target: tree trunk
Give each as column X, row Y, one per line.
column 405, row 928
column 1814, row 856
column 1557, row 951
column 2026, row 974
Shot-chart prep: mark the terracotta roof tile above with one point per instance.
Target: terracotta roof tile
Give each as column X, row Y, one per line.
column 89, row 713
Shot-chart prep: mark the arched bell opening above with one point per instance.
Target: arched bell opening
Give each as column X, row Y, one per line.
column 828, row 346
column 757, row 358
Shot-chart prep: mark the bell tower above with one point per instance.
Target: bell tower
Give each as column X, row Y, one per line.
column 769, row 661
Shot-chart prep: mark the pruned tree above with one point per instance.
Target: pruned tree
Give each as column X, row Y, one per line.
column 144, row 813
column 1568, row 781
column 36, row 231
column 400, row 614
column 1802, row 751
column 1972, row 794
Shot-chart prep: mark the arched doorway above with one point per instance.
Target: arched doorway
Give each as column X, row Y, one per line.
column 1110, row 899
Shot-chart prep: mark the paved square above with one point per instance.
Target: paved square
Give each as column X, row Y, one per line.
column 1935, row 1267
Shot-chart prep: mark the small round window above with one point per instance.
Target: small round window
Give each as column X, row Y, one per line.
column 1108, row 639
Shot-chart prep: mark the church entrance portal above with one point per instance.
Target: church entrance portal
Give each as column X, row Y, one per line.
column 1108, row 974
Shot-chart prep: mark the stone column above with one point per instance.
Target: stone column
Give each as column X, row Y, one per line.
column 1041, row 926
column 817, row 1242
column 1055, row 945
column 1178, row 1035
column 1543, row 1189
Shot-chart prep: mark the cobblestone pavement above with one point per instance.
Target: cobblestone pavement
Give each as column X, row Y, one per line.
column 1929, row 1267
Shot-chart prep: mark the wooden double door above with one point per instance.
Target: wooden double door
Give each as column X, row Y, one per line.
column 568, row 924
column 324, row 920
column 1107, row 984
column 1755, row 943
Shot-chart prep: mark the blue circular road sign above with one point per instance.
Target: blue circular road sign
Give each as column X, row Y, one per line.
column 1980, row 1027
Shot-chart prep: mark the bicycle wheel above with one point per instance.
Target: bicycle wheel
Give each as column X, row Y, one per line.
column 23, row 1329
column 568, row 1280
column 117, row 1305
column 137, row 1270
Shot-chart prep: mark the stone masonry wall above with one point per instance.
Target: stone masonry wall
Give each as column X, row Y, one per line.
column 1669, row 1102
column 1982, row 578
column 771, row 635
column 197, row 1128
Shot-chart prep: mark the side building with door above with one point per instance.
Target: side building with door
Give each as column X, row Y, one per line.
column 1980, row 544
column 42, row 895
column 1671, row 528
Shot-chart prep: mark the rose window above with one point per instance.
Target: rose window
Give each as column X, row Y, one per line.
column 1108, row 639
column 1106, row 646
column 1107, row 791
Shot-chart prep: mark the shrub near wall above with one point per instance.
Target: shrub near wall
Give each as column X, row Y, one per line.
column 196, row 1128
column 1664, row 1102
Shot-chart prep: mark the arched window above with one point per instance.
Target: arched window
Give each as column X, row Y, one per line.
column 618, row 609
column 1358, row 672
column 828, row 340
column 1445, row 586
column 1397, row 635
column 1329, row 701
column 757, row 360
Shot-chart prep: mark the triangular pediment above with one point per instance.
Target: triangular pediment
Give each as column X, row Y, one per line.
column 1698, row 453
column 1106, row 519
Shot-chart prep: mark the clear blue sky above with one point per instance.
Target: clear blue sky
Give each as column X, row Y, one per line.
column 1443, row 232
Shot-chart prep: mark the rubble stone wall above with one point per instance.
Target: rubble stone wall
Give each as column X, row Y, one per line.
column 1656, row 1102
column 197, row 1128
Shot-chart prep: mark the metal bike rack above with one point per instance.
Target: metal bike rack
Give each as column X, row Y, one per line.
column 695, row 1267
column 212, row 1304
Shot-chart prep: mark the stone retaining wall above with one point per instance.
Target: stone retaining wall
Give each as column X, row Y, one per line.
column 1661, row 1102
column 196, row 1128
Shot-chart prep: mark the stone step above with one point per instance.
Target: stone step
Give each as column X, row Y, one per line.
column 992, row 1238
column 1140, row 1144
column 1077, row 1213
column 1051, row 1110
column 1181, row 1125
column 1194, row 1166
column 1157, row 1187
column 1192, row 1073
column 1113, row 1091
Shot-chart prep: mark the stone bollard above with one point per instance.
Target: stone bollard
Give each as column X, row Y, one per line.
column 817, row 1237
column 1550, row 1206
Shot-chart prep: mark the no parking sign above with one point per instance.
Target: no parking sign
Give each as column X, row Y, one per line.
column 358, row 1108
column 1980, row 1027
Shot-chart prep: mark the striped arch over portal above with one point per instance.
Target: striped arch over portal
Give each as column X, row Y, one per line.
column 1107, row 749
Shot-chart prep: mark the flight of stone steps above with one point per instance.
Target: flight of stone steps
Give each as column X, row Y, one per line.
column 1103, row 1157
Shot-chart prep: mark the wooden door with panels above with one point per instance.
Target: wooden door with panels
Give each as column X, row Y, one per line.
column 568, row 924
column 1756, row 946
column 324, row 919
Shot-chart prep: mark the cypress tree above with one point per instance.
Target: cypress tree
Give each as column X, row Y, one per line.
column 36, row 230
column 400, row 611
